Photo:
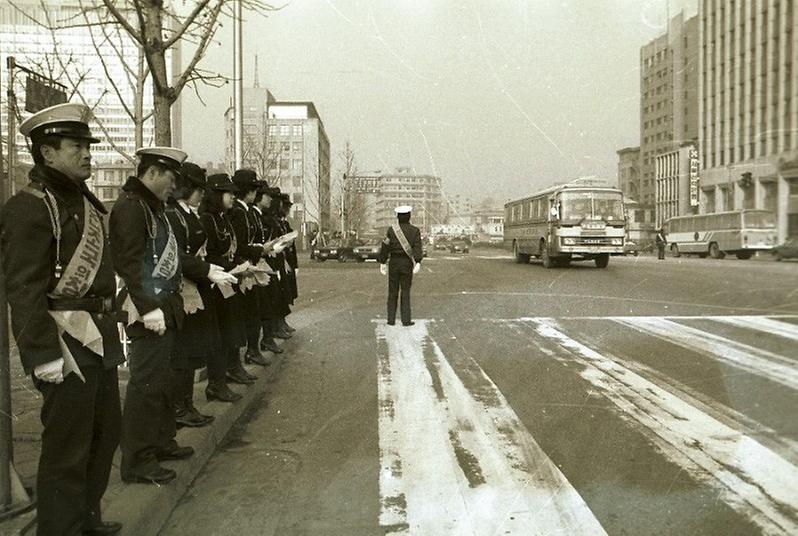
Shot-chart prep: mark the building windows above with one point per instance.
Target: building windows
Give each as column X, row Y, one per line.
column 297, row 146
column 285, row 130
column 272, row 130
column 297, row 130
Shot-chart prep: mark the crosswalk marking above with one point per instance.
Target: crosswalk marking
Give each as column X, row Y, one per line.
column 768, row 325
column 751, row 478
column 742, row 356
column 454, row 462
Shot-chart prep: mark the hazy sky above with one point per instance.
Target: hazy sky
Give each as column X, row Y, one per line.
column 498, row 97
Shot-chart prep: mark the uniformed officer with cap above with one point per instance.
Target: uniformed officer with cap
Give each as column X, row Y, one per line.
column 60, row 286
column 247, row 230
column 198, row 342
column 402, row 250
column 147, row 258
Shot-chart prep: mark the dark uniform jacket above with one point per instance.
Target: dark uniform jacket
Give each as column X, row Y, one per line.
column 392, row 249
column 28, row 250
column 244, row 226
column 200, row 334
column 135, row 252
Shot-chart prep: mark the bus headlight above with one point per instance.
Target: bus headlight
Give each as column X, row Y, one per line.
column 568, row 241
column 617, row 241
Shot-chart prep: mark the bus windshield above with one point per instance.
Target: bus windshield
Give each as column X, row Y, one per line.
column 758, row 219
column 607, row 206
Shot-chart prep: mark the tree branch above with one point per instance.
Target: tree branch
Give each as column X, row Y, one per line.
column 186, row 23
column 123, row 21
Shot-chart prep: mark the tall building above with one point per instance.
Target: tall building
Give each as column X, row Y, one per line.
column 79, row 54
column 405, row 187
column 629, row 172
column 668, row 98
column 255, row 148
column 748, row 111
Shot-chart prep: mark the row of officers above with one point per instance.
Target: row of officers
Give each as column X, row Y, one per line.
column 207, row 275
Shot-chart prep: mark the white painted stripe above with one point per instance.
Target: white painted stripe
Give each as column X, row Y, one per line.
column 741, row 318
column 751, row 478
column 742, row 356
column 768, row 325
column 453, row 462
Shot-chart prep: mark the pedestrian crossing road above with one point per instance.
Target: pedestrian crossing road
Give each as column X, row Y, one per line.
column 457, row 458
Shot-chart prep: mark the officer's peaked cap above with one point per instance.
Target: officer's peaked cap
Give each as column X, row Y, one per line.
column 69, row 120
column 169, row 157
column 404, row 209
column 221, row 182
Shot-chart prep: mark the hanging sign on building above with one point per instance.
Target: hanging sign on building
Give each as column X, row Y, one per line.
column 693, row 177
column 41, row 93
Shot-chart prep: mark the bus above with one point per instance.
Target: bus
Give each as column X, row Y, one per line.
column 569, row 222
column 741, row 232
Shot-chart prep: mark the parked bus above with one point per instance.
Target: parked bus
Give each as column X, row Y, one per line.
column 741, row 232
column 575, row 221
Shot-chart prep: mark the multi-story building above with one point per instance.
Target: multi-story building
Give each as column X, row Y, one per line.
column 668, row 98
column 83, row 53
column 405, row 187
column 361, row 213
column 677, row 183
column 489, row 224
column 107, row 180
column 285, row 142
column 748, row 111
column 629, row 172
column 459, row 209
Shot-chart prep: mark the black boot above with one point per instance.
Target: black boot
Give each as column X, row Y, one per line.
column 268, row 344
column 254, row 356
column 285, row 326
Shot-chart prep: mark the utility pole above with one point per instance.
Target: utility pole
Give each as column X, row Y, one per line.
column 238, row 93
column 343, row 203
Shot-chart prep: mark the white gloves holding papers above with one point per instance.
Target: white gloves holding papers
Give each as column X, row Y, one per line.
column 416, row 267
column 155, row 321
column 220, row 277
column 384, row 269
column 52, row 372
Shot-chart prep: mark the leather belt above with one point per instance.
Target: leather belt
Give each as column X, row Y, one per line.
column 91, row 305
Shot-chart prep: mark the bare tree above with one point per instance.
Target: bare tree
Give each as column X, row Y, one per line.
column 157, row 28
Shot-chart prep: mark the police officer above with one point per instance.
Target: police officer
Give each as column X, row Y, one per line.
column 57, row 263
column 198, row 341
column 222, row 250
column 661, row 241
column 147, row 258
column 246, row 227
column 402, row 250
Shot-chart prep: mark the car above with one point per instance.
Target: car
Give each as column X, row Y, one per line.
column 787, row 250
column 458, row 246
column 341, row 253
column 371, row 250
column 440, row 245
column 630, row 248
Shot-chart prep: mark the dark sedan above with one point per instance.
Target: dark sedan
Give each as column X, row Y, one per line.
column 788, row 250
column 341, row 253
column 458, row 246
column 367, row 251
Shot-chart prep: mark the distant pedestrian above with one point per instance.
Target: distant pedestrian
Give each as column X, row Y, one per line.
column 60, row 286
column 402, row 251
column 661, row 241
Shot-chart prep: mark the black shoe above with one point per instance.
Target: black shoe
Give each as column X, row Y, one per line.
column 254, row 356
column 222, row 393
column 192, row 419
column 408, row 323
column 280, row 334
column 391, row 323
column 174, row 452
column 237, row 376
column 271, row 346
column 286, row 327
column 161, row 475
column 102, row 528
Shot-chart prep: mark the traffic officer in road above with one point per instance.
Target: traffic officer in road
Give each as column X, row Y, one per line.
column 147, row 258
column 661, row 241
column 402, row 251
column 60, row 286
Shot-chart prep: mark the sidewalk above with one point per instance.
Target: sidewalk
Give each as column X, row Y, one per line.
column 141, row 508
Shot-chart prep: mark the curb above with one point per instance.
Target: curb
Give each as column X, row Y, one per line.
column 143, row 509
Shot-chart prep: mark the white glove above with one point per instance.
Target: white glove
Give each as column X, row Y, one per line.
column 417, row 268
column 52, row 372
column 155, row 321
column 220, row 277
column 384, row 269
column 279, row 248
column 296, row 271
